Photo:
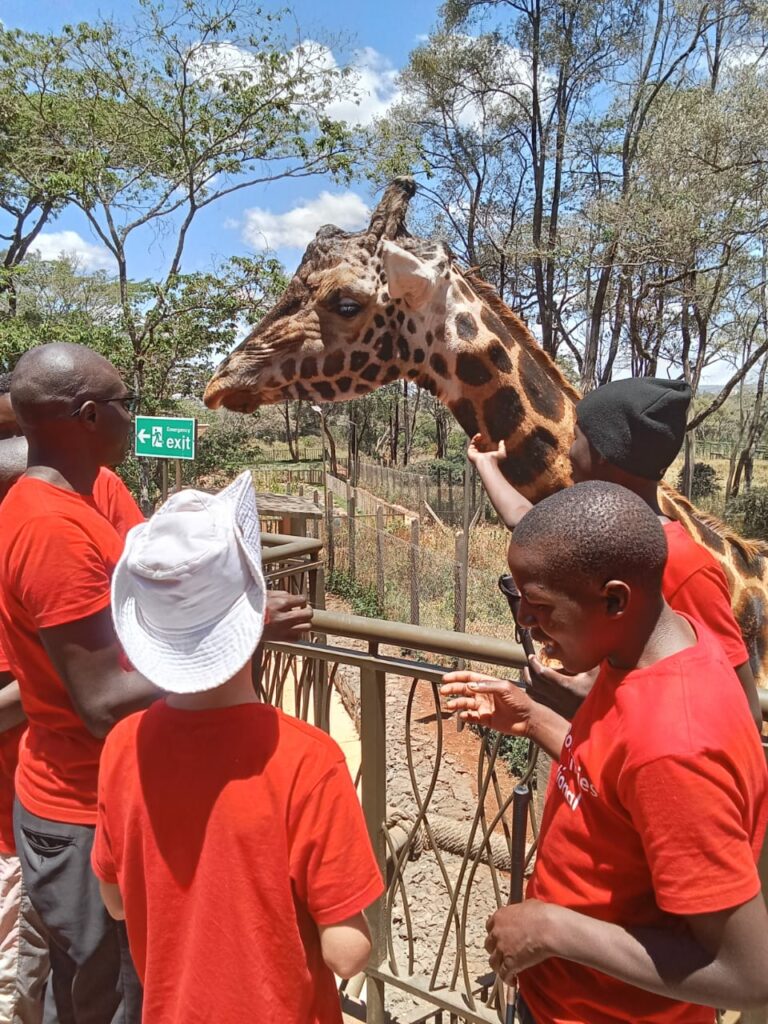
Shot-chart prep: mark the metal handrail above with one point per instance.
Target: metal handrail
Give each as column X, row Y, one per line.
column 419, row 638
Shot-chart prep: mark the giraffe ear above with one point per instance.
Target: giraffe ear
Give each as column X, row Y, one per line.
column 408, row 277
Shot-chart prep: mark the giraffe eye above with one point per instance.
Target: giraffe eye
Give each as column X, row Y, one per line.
column 348, row 307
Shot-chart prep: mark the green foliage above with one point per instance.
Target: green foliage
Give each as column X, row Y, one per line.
column 750, row 510
column 452, row 464
column 704, row 483
column 513, row 750
column 363, row 600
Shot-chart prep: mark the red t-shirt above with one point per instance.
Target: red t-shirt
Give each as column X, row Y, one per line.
column 57, row 554
column 658, row 808
column 115, row 502
column 695, row 584
column 232, row 834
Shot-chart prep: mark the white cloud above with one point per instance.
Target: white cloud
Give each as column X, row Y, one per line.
column 295, row 228
column 374, row 89
column 369, row 89
column 218, row 60
column 52, row 245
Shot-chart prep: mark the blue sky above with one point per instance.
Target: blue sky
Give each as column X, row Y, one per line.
column 283, row 215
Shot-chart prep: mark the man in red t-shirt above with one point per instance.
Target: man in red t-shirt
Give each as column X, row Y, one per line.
column 629, row 432
column 238, row 824
column 62, row 530
column 57, row 553
column 645, row 900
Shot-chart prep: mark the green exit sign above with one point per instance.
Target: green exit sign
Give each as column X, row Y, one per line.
column 165, row 437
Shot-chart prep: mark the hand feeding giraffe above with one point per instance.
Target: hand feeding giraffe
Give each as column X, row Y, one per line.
column 365, row 309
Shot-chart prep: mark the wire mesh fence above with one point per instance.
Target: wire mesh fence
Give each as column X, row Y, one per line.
column 402, row 570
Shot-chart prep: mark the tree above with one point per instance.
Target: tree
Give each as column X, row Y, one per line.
column 191, row 104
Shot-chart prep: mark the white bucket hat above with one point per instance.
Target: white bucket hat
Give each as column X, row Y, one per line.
column 188, row 593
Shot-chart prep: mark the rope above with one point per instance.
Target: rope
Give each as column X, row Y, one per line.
column 450, row 836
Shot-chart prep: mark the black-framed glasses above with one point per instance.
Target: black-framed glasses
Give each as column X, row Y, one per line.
column 508, row 587
column 129, row 402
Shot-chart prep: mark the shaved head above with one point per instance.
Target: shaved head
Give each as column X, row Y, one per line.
column 597, row 531
column 51, row 380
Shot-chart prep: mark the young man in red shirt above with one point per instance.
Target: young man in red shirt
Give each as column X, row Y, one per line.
column 219, row 814
column 629, row 432
column 645, row 901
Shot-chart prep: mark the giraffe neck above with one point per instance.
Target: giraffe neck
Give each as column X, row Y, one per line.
column 487, row 368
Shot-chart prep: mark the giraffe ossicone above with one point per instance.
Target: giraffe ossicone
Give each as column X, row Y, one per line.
column 364, row 309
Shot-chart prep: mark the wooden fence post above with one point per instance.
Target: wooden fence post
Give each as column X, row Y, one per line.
column 351, row 527
column 414, row 571
column 380, row 557
column 329, row 529
column 459, row 592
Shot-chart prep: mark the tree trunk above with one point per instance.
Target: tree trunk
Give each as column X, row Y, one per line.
column 689, row 449
column 292, row 430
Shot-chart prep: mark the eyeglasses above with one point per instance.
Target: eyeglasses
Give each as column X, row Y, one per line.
column 129, row 402
column 508, row 587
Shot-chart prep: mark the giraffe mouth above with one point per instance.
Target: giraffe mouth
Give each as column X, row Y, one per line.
column 234, row 399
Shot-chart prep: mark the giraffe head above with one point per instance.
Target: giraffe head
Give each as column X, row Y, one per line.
column 361, row 310
column 368, row 308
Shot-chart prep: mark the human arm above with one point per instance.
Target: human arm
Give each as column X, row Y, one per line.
column 717, row 959
column 11, row 711
column 694, row 814
column 86, row 655
column 112, row 900
column 510, row 505
column 346, row 946
column 503, row 706
column 749, row 686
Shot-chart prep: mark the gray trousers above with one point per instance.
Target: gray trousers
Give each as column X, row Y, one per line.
column 523, row 1015
column 93, row 980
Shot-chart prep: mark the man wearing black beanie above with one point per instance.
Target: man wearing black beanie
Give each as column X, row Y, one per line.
column 629, row 432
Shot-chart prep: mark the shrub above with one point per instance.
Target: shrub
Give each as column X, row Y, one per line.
column 751, row 511
column 704, row 484
column 363, row 600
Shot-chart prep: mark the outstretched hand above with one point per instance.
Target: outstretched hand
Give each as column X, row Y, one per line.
column 481, row 449
column 559, row 691
column 483, row 700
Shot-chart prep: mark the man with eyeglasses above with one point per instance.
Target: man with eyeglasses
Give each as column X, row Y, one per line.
column 62, row 529
column 58, row 548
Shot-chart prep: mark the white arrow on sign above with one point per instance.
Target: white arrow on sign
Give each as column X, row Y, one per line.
column 143, row 436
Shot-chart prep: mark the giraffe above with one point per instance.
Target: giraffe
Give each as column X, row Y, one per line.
column 368, row 308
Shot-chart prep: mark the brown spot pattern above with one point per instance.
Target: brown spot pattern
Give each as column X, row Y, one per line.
column 472, row 370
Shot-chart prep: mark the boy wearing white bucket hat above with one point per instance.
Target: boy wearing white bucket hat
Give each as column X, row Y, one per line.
column 229, row 836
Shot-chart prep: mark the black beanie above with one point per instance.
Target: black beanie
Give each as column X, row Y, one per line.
column 636, row 424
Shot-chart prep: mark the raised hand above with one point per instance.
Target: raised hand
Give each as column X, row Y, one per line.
column 481, row 449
